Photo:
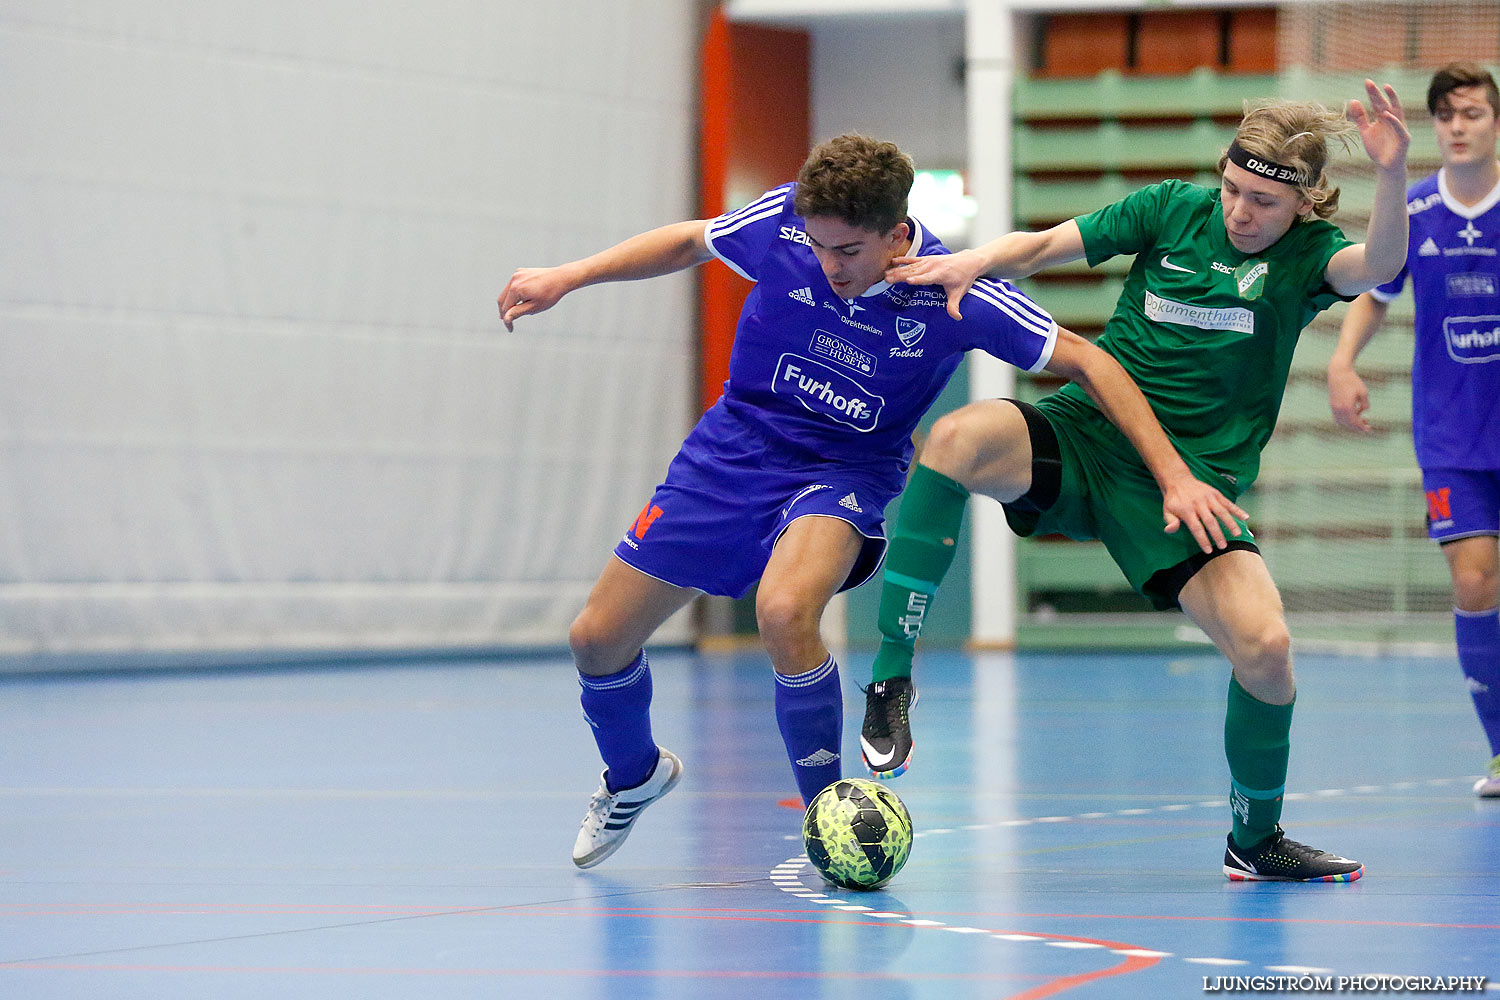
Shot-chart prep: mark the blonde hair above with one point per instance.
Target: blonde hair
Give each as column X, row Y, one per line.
column 1295, row 134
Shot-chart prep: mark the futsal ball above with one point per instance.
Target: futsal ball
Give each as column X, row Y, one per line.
column 857, row 833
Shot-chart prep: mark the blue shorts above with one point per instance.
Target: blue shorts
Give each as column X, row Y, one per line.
column 712, row 524
column 1461, row 503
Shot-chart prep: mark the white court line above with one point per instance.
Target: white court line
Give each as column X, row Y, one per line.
column 781, row 876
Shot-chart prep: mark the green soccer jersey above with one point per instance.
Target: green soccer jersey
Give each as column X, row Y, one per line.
column 1206, row 331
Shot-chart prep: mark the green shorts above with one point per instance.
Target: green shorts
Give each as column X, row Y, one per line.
column 1088, row 482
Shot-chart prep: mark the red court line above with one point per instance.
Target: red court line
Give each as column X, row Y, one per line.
column 1131, row 963
column 1233, row 920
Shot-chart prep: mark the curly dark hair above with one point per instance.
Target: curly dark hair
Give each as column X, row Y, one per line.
column 860, row 180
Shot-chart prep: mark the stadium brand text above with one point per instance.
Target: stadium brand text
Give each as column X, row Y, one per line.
column 795, row 235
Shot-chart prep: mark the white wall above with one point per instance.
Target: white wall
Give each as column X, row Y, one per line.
column 255, row 392
column 895, row 78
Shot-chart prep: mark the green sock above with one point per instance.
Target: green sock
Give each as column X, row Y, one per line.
column 923, row 544
column 1257, row 742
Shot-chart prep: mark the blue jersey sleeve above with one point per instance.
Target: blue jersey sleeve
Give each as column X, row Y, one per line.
column 1391, row 289
column 1009, row 325
column 742, row 238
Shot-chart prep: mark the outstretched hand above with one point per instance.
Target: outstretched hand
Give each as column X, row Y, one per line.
column 531, row 290
column 1382, row 128
column 956, row 272
column 1207, row 513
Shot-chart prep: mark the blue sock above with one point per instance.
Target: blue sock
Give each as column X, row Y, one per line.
column 618, row 708
column 810, row 712
column 1478, row 635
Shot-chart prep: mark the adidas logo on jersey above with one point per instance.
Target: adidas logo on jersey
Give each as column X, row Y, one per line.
column 1428, row 249
column 819, row 759
column 852, row 504
column 803, row 295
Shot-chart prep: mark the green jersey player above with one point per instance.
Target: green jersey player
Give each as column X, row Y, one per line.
column 1222, row 285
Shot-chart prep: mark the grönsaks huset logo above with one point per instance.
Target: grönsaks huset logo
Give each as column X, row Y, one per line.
column 828, row 392
column 825, row 344
column 1472, row 285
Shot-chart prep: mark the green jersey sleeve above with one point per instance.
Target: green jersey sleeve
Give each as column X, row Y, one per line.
column 1128, row 226
column 1317, row 242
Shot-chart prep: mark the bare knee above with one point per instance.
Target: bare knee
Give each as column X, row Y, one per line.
column 1262, row 661
column 788, row 624
column 952, row 446
column 597, row 647
column 1475, row 589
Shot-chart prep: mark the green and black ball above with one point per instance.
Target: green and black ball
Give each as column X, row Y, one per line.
column 857, row 833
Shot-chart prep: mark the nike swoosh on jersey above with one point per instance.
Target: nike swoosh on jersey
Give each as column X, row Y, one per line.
column 1174, row 267
column 876, row 759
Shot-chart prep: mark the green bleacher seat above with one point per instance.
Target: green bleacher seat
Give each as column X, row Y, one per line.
column 1389, row 351
column 1306, row 400
column 1113, row 146
column 1202, row 93
column 1055, row 199
column 1086, row 304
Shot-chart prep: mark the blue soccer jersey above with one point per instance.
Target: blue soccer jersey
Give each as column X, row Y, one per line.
column 845, row 381
column 1453, row 259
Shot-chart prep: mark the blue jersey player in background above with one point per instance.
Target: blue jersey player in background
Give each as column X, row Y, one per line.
column 785, row 479
column 1453, row 260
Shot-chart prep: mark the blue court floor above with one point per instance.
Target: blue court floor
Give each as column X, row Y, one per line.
column 404, row 831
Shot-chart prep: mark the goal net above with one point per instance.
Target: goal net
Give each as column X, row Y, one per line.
column 1340, row 516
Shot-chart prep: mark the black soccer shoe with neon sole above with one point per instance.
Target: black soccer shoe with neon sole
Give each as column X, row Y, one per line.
column 1281, row 859
column 885, row 739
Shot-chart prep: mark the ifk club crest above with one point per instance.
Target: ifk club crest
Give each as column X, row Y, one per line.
column 909, row 330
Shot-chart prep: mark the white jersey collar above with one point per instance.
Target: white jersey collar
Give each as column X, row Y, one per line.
column 1458, row 208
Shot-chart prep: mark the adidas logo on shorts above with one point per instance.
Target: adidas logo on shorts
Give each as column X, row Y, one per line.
column 803, row 295
column 852, row 504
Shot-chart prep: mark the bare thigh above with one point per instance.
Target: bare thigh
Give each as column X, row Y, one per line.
column 812, row 559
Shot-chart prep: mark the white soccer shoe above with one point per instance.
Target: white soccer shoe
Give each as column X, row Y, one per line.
column 611, row 815
column 1488, row 787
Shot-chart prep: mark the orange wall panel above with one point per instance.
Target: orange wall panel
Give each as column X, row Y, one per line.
column 1252, row 40
column 1084, row 44
column 1177, row 41
column 753, row 135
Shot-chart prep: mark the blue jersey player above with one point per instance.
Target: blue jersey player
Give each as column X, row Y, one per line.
column 785, row 479
column 1453, row 260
